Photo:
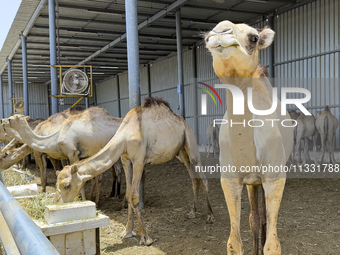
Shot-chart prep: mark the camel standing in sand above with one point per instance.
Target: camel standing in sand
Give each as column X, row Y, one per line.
column 326, row 123
column 304, row 129
column 234, row 49
column 213, row 134
column 149, row 134
column 78, row 137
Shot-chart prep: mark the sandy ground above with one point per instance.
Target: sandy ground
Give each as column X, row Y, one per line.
column 308, row 223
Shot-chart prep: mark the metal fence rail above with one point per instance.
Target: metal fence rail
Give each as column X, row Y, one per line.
column 28, row 237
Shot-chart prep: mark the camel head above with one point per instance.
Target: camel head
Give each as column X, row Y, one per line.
column 14, row 121
column 235, row 48
column 69, row 183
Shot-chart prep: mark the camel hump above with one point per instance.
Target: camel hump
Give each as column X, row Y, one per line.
column 252, row 179
column 149, row 101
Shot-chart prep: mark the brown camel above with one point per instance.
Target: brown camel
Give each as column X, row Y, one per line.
column 234, row 48
column 213, row 134
column 149, row 134
column 79, row 136
column 326, row 123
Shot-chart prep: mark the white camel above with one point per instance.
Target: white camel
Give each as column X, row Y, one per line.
column 234, row 48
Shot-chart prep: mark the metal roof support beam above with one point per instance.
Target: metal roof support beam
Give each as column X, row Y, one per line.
column 24, row 74
column 53, row 55
column 118, row 98
column 10, row 86
column 157, row 16
column 180, row 89
column 28, row 27
column 1, row 100
column 132, row 52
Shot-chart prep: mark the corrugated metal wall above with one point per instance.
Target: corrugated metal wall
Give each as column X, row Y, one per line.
column 306, row 45
column 38, row 99
column 307, row 48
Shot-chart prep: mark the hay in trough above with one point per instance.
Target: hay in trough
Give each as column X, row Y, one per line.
column 35, row 206
column 14, row 177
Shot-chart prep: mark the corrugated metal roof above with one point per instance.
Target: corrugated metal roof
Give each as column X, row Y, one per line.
column 87, row 26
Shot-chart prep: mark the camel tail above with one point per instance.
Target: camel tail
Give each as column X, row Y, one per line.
column 191, row 146
column 326, row 125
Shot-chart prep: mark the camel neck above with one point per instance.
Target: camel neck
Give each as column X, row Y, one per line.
column 243, row 148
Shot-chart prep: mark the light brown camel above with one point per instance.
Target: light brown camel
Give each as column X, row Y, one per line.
column 46, row 127
column 79, row 136
column 213, row 134
column 234, row 48
column 305, row 128
column 149, row 134
column 326, row 123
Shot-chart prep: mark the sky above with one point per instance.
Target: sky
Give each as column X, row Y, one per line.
column 8, row 9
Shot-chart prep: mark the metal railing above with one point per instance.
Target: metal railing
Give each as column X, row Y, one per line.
column 27, row 235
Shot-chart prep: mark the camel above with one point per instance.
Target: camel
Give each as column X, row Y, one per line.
column 304, row 129
column 79, row 136
column 234, row 49
column 326, row 123
column 149, row 134
column 43, row 128
column 213, row 134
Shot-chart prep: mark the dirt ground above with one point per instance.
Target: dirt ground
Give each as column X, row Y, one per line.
column 308, row 223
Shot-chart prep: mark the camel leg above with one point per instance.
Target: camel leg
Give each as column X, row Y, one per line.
column 254, row 217
column 232, row 189
column 116, row 172
column 208, row 147
column 297, row 150
column 98, row 180
column 315, row 138
column 306, row 151
column 127, row 233
column 263, row 220
column 330, row 148
column 39, row 160
column 133, row 199
column 273, row 190
column 184, row 158
column 56, row 165
column 323, row 145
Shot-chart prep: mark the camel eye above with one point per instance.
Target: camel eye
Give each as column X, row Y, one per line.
column 254, row 39
column 67, row 186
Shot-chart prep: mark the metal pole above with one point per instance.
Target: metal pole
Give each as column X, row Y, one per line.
column 149, row 79
column 180, row 89
column 10, row 86
column 194, row 94
column 133, row 52
column 53, row 55
column 24, row 74
column 1, row 99
column 271, row 49
column 118, row 98
column 27, row 235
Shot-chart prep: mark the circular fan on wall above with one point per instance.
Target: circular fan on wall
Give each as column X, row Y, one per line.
column 19, row 106
column 75, row 82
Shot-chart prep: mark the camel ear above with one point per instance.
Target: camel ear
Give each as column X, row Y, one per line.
column 266, row 38
column 27, row 117
column 74, row 169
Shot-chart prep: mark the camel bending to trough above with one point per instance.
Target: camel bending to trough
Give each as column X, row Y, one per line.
column 213, row 134
column 234, row 48
column 326, row 123
column 79, row 136
column 149, row 134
